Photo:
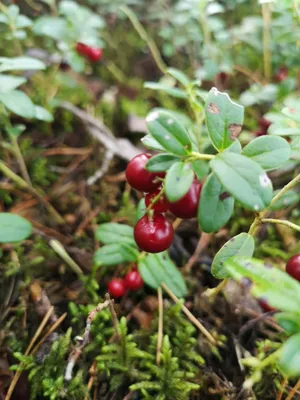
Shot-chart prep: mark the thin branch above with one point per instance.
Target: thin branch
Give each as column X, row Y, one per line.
column 33, row 340
column 160, row 325
column 283, row 385
column 282, row 222
column 101, row 171
column 60, row 250
column 202, row 244
column 190, row 316
column 293, row 391
column 113, row 315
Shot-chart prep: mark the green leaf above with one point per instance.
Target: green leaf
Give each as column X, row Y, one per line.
column 13, row 228
column 201, row 168
column 9, row 82
column 224, row 119
column 172, row 91
column 178, row 181
column 240, row 245
column 179, row 76
column 279, row 289
column 114, row 254
column 159, row 268
column 295, row 147
column 289, row 198
column 288, row 321
column 161, row 162
column 20, row 64
column 215, row 205
column 289, row 357
column 151, row 143
column 112, row 232
column 140, row 210
column 235, row 147
column 284, row 128
column 18, row 103
column 42, row 114
column 244, row 179
column 168, row 132
column 268, row 151
column 54, row 27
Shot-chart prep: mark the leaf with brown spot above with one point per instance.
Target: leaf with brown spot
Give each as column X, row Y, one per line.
column 235, row 130
column 213, row 108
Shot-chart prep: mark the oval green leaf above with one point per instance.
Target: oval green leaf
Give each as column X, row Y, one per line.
column 240, row 245
column 18, row 103
column 8, row 82
column 161, row 162
column 151, row 143
column 20, row 63
column 289, row 198
column 224, row 119
column 112, row 232
column 215, row 205
column 178, row 181
column 268, row 151
column 159, row 268
column 289, row 357
column 165, row 128
column 114, row 254
column 13, row 228
column 244, row 179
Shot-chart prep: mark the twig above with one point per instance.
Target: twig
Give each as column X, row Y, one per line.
column 283, row 385
column 52, row 328
column 202, row 244
column 33, row 340
column 23, row 184
column 19, row 157
column 86, row 221
column 92, row 372
column 282, row 222
column 144, row 35
column 160, row 325
column 190, row 315
column 122, row 147
column 293, row 391
column 113, row 315
column 101, row 171
column 267, row 13
column 60, row 250
column 82, row 342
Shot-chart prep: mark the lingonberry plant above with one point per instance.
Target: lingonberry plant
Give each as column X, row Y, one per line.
column 188, row 177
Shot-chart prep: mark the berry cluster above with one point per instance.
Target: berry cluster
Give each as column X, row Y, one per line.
column 132, row 281
column 154, row 232
column 293, row 269
column 93, row 54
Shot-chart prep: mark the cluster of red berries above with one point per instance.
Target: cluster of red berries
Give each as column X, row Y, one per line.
column 281, row 74
column 154, row 232
column 132, row 281
column 293, row 269
column 93, row 54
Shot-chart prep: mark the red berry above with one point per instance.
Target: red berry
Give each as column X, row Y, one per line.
column 133, row 280
column 160, row 205
column 293, row 267
column 116, row 287
column 153, row 234
column 282, row 74
column 94, row 54
column 187, row 206
column 264, row 123
column 265, row 306
column 138, row 177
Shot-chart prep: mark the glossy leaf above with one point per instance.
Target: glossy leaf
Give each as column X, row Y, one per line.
column 114, row 254
column 9, row 82
column 112, row 232
column 179, row 76
column 244, row 179
column 168, row 132
column 268, row 151
column 289, row 358
column 159, row 268
column 178, row 181
column 13, row 228
column 20, row 64
column 201, row 168
column 54, row 27
column 161, row 162
column 151, row 143
column 224, row 119
column 42, row 114
column 275, row 286
column 288, row 321
column 18, row 103
column 215, row 205
column 240, row 245
column 172, row 91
